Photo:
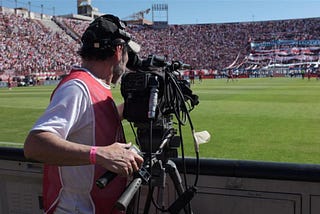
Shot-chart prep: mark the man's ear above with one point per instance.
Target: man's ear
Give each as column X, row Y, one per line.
column 118, row 52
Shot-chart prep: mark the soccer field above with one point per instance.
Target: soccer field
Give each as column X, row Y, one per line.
column 250, row 119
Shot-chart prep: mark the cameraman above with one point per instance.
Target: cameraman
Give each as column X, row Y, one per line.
column 79, row 137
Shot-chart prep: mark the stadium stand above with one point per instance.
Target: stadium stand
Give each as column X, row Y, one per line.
column 32, row 46
column 29, row 47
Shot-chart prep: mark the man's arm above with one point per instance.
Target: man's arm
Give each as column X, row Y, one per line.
column 49, row 148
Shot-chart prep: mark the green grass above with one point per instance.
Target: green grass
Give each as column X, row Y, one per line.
column 251, row 119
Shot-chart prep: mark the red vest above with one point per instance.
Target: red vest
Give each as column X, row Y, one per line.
column 108, row 129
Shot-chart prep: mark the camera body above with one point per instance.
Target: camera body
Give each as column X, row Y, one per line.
column 150, row 74
column 136, row 89
column 153, row 92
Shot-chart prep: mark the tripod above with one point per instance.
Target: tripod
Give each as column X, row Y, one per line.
column 159, row 180
column 159, row 166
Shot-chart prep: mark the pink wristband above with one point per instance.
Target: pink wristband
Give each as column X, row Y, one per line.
column 93, row 152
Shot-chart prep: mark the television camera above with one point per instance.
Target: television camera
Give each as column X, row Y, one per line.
column 154, row 91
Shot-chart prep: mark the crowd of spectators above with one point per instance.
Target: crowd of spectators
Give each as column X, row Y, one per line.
column 27, row 46
column 215, row 46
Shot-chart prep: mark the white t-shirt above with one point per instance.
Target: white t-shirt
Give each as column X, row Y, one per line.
column 72, row 118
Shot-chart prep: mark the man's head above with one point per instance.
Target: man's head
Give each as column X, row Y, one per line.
column 104, row 39
column 103, row 35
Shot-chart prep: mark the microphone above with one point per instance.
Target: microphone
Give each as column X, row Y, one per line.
column 153, row 100
column 105, row 179
column 185, row 66
column 180, row 65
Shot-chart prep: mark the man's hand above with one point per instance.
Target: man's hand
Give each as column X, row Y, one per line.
column 119, row 159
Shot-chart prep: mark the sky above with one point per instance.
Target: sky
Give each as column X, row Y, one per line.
column 187, row 11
